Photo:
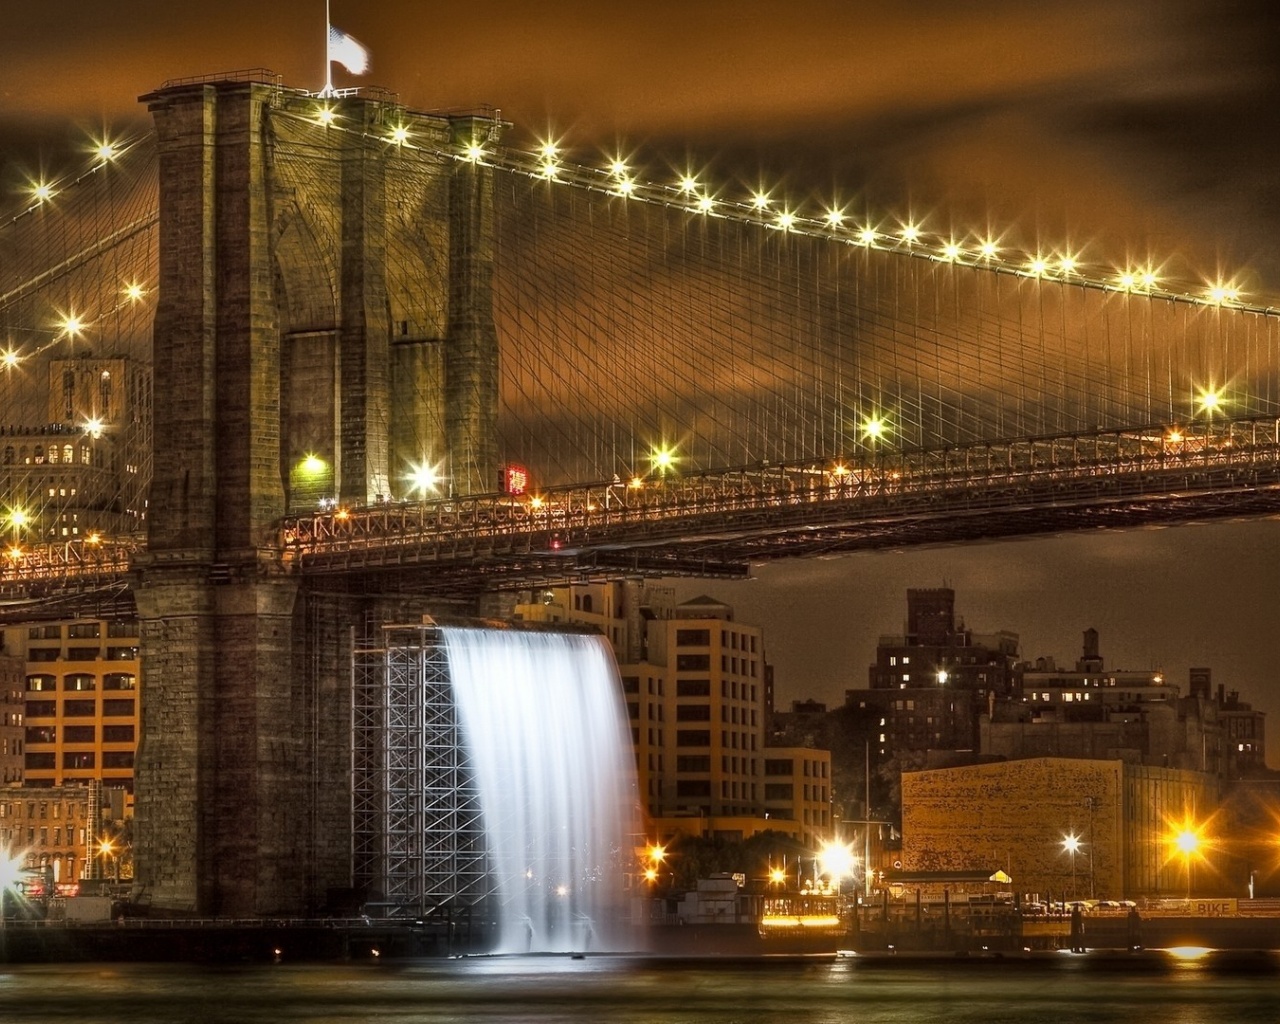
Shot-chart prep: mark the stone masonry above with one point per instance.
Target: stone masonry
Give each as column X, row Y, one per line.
column 295, row 256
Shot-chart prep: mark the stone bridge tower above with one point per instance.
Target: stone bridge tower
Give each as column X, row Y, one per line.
column 324, row 326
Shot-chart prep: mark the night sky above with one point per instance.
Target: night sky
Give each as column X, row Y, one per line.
column 1128, row 130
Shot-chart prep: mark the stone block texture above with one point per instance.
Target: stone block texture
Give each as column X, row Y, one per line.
column 323, row 326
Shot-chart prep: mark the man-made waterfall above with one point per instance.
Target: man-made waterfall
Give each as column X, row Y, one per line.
column 542, row 718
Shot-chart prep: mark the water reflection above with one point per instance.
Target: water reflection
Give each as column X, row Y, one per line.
column 653, row 991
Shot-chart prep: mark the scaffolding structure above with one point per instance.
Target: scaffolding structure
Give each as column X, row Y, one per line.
column 418, row 839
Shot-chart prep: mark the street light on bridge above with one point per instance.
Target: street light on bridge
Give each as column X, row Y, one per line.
column 1209, row 400
column 424, row 479
column 874, row 427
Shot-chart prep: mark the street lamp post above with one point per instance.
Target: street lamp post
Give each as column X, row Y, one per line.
column 1188, row 843
column 1071, row 844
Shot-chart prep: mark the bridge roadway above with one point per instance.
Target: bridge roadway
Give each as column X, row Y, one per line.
column 715, row 523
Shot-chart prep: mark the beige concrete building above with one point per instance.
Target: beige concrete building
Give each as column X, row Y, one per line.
column 695, row 685
column 1022, row 816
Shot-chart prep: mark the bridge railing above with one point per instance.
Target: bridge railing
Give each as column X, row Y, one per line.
column 562, row 517
column 873, row 484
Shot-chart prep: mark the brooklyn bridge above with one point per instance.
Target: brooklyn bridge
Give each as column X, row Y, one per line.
column 303, row 366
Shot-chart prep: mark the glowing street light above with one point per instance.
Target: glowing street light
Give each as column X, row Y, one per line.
column 423, row 479
column 9, row 359
column 663, row 459
column 134, row 291
column 1070, row 845
column 311, row 465
column 874, row 427
column 1188, row 843
column 1209, row 400
column 837, row 861
column 107, row 848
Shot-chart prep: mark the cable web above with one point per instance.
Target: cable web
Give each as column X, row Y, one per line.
column 628, row 327
column 625, row 327
column 77, row 291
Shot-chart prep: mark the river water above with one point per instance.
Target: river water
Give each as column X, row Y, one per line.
column 650, row 991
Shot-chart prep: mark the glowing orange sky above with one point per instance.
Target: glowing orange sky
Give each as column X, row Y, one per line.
column 1133, row 127
column 1127, row 127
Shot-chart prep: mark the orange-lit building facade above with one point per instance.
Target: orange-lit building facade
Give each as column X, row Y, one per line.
column 82, row 680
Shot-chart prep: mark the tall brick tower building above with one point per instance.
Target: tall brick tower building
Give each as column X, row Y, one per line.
column 323, row 326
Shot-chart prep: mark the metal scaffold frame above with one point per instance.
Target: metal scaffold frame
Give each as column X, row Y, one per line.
column 419, row 843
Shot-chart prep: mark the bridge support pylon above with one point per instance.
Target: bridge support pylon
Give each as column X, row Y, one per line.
column 323, row 325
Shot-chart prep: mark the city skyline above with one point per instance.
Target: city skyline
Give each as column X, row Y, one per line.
column 1104, row 125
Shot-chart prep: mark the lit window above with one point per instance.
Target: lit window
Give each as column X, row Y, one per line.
column 906, row 659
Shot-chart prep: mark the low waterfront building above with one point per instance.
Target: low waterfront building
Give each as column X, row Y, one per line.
column 1071, row 828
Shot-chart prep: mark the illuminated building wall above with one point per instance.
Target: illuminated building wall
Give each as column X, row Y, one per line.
column 1019, row 816
column 13, row 684
column 49, row 828
column 82, row 699
column 797, row 784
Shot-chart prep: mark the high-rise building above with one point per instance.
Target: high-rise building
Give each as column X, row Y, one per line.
column 931, row 685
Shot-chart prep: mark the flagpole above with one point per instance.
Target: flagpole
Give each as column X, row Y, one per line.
column 328, row 64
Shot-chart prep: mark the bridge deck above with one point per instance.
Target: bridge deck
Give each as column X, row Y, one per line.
column 714, row 523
